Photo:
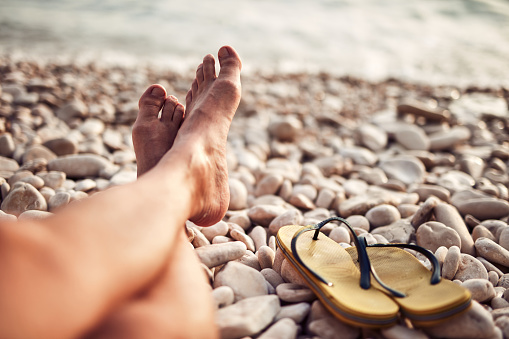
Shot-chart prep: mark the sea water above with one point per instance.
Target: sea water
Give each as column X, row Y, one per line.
column 434, row 41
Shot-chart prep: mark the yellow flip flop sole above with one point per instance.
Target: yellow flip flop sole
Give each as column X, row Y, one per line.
column 342, row 295
column 425, row 304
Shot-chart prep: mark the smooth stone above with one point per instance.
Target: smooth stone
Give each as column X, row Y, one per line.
column 432, row 234
column 359, row 205
column 285, row 128
column 503, row 281
column 481, row 231
column 18, row 176
column 215, row 255
column 247, row 317
column 382, row 215
column 62, row 146
column 482, row 290
column 245, row 281
column 372, row 137
column 290, row 274
column 470, row 268
column 285, row 191
column 71, row 110
column 296, row 312
column 272, row 277
column 270, row 184
column 340, row 234
column 238, row 194
column 503, row 237
column 7, row 145
column 53, row 179
column 241, row 236
column 240, row 219
column 490, row 267
column 485, row 208
column 250, row 259
column 477, row 322
column 329, row 328
column 34, row 215
column 359, row 155
column 266, row 257
column 23, row 197
column 408, row 169
column 290, row 217
column 426, row 191
column 301, row 201
column 440, row 254
column 8, row 165
column 503, row 324
column 220, row 239
column 355, row 187
column 449, row 215
column 264, row 214
column 259, row 236
column 223, row 296
column 307, row 190
column 220, row 228
column 407, row 210
column 294, row 293
column 85, row 185
column 199, row 239
column 122, row 177
column 325, row 198
column 448, row 139
column 80, row 165
column 58, row 200
column 399, row 232
column 402, row 332
column 412, row 137
column 36, row 152
column 456, row 181
column 472, row 165
column 424, row 212
column 359, row 221
column 492, row 251
column 33, row 180
column 278, row 261
column 282, row 329
column 451, row 262
column 499, row 302
column 47, row 193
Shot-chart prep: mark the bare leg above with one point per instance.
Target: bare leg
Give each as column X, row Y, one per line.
column 98, row 254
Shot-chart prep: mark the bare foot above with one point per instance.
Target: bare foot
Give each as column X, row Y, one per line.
column 211, row 104
column 154, row 136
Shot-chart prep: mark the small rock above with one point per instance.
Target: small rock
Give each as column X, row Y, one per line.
column 492, row 251
column 285, row 128
column 329, row 327
column 484, row 208
column 294, row 293
column 296, row 312
column 220, row 228
column 80, row 166
column 412, row 137
column 62, row 146
column 449, row 215
column 266, row 257
column 259, row 236
column 399, row 232
column 34, row 215
column 223, row 296
column 238, row 194
column 482, row 290
column 58, row 200
column 23, row 197
column 247, row 317
column 245, row 281
column 451, row 262
column 272, row 277
column 241, row 236
column 264, row 214
column 7, row 145
column 290, row 217
column 53, row 179
column 432, row 234
column 402, row 332
column 8, row 165
column 448, row 139
column 215, row 255
column 36, row 152
column 372, row 137
column 406, row 168
column 382, row 215
column 470, row 268
column 270, row 184
column 282, row 329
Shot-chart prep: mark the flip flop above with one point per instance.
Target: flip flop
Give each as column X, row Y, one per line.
column 428, row 299
column 332, row 275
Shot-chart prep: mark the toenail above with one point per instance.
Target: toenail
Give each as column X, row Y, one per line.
column 157, row 91
column 223, row 52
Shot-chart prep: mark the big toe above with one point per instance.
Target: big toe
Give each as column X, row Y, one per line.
column 151, row 102
column 229, row 61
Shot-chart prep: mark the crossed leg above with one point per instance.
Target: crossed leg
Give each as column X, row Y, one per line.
column 179, row 299
column 122, row 254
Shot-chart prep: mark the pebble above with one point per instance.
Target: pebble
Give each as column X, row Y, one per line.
column 270, row 184
column 445, row 140
column 62, row 146
column 296, row 312
column 8, row 165
column 238, row 194
column 219, row 254
column 250, row 259
column 449, row 215
column 80, row 165
column 485, row 208
column 7, row 145
column 36, row 152
column 286, row 128
column 382, row 215
column 294, row 293
column 492, row 251
column 408, row 169
column 412, row 137
column 475, row 323
column 359, row 221
column 290, row 274
column 220, row 228
column 482, row 290
column 241, row 236
column 399, row 232
column 23, row 197
column 247, row 317
column 272, row 277
column 432, row 234
column 264, row 214
column 34, row 215
column 245, row 281
column 328, row 328
column 223, row 296
column 282, row 329
column 266, row 257
column 481, row 231
column 340, row 234
column 402, row 332
column 290, row 217
column 470, row 268
column 53, row 179
column 451, row 262
column 372, row 137
column 259, row 236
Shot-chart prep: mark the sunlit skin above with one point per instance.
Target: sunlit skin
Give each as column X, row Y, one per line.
column 118, row 264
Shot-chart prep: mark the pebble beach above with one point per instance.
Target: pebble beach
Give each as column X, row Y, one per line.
column 402, row 162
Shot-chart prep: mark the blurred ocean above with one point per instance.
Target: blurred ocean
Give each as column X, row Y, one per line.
column 432, row 41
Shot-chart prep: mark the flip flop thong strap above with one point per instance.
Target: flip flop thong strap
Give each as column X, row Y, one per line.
column 364, row 264
column 435, row 275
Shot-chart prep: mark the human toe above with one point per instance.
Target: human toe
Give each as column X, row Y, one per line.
column 151, row 102
column 209, row 67
column 229, row 61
